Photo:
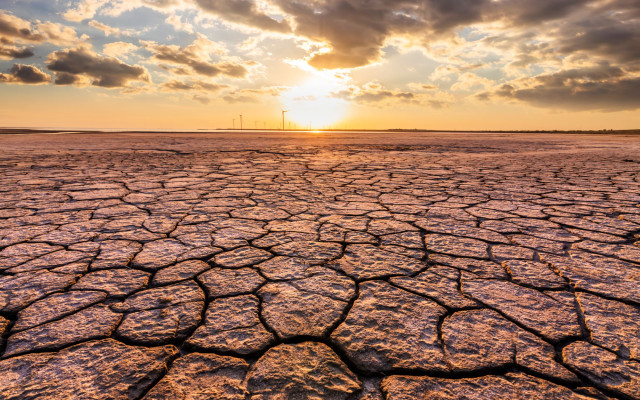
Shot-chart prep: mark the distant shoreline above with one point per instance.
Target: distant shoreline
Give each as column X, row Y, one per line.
column 23, row 131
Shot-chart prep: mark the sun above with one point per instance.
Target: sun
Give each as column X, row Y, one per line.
column 313, row 104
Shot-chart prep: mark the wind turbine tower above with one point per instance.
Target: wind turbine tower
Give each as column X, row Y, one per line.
column 283, row 113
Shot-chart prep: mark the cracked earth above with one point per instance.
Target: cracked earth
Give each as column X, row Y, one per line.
column 319, row 266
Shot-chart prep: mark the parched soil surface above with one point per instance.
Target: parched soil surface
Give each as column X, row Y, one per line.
column 320, row 266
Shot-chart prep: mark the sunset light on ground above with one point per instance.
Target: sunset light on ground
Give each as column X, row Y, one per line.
column 320, row 199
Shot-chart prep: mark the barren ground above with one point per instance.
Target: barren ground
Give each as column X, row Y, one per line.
column 320, row 266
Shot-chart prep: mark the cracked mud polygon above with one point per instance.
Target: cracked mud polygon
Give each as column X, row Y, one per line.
column 320, row 266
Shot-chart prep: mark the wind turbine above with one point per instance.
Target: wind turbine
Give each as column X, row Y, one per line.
column 240, row 121
column 283, row 112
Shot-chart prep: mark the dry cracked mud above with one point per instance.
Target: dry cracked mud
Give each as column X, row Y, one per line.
column 319, row 266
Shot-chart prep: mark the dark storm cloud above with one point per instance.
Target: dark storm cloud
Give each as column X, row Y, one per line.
column 605, row 88
column 72, row 66
column 195, row 57
column 25, row 74
column 244, row 12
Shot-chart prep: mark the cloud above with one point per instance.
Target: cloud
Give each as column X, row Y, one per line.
column 119, row 49
column 237, row 98
column 356, row 31
column 602, row 87
column 59, row 34
column 25, row 74
column 199, row 89
column 88, row 9
column 605, row 30
column 375, row 94
column 528, row 49
column 381, row 95
column 108, row 30
column 176, row 85
column 421, row 87
column 17, row 28
column 195, row 59
column 85, row 9
column 115, row 8
column 74, row 66
column 10, row 52
column 252, row 95
column 244, row 12
column 178, row 24
column 534, row 12
column 606, row 37
column 201, row 99
column 449, row 72
column 13, row 28
column 469, row 81
column 353, row 33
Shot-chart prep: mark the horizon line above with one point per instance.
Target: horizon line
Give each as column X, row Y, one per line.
column 22, row 130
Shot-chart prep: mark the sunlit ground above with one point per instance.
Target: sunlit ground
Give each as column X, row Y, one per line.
column 312, row 105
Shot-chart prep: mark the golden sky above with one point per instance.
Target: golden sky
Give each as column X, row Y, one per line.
column 356, row 64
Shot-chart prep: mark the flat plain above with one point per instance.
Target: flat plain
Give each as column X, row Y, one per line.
column 307, row 265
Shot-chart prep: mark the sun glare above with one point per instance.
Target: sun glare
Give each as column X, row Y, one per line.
column 313, row 104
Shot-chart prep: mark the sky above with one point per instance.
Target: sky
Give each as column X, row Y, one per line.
column 342, row 64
